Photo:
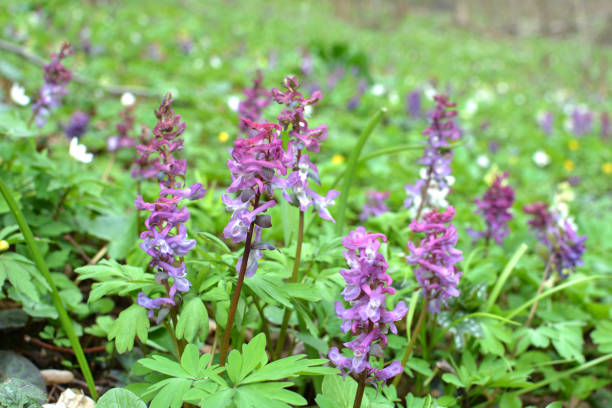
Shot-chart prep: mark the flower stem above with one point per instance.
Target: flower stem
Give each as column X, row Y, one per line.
column 236, row 297
column 264, row 322
column 55, row 296
column 413, row 338
column 360, row 389
column 294, row 277
column 540, row 288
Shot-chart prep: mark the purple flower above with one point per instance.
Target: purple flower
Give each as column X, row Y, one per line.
column 302, row 139
column 495, row 208
column 581, row 121
column 165, row 239
column 255, row 165
column 545, row 121
column 356, row 99
column 375, row 204
column 257, row 98
column 436, row 257
column 54, row 89
column 123, row 138
column 367, row 286
column 77, row 126
column 435, row 178
column 413, row 103
column 559, row 234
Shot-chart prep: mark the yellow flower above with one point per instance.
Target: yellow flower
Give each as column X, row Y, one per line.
column 492, row 174
column 573, row 145
column 223, row 137
column 337, row 159
column 607, row 168
column 568, row 165
column 4, row 245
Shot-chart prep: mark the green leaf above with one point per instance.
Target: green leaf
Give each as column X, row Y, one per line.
column 288, row 367
column 602, row 336
column 192, row 319
column 452, row 379
column 165, row 366
column 190, row 360
column 420, row 366
column 132, row 322
column 504, row 276
column 120, row 398
column 215, row 241
column 114, row 279
column 234, row 366
column 339, row 391
column 510, row 401
column 120, row 230
column 253, row 355
column 171, row 395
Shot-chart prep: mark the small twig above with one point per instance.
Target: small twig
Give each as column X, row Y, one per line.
column 69, row 238
column 48, row 346
column 110, row 89
column 99, row 255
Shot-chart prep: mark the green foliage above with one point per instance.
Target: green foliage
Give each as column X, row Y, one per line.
column 130, row 323
column 16, row 393
column 119, row 398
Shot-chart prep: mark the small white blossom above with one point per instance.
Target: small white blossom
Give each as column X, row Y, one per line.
column 482, row 161
column 18, row 95
column 308, row 111
column 128, row 99
column 378, row 89
column 233, row 102
column 540, row 158
column 79, row 151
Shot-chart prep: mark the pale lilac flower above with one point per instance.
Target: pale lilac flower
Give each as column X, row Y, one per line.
column 413, row 103
column 165, row 239
column 77, row 126
column 54, row 89
column 375, row 204
column 367, row 286
column 436, row 257
column 257, row 98
column 545, row 121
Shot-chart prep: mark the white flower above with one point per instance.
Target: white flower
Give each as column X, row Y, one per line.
column 79, row 152
column 394, row 98
column 482, row 161
column 215, row 62
column 128, row 99
column 233, row 102
column 18, row 95
column 471, row 107
column 540, row 158
column 378, row 89
column 308, row 110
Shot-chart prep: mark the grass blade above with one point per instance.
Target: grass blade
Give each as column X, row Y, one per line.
column 57, row 301
column 352, row 166
column 504, row 276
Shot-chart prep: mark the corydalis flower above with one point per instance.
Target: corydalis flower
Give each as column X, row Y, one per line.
column 431, row 190
column 413, row 103
column 436, row 257
column 77, row 126
column 581, row 121
column 255, row 164
column 375, row 204
column 545, row 121
column 557, row 231
column 302, row 138
column 257, row 98
column 367, row 286
column 165, row 239
column 54, row 89
column 495, row 208
column 123, row 139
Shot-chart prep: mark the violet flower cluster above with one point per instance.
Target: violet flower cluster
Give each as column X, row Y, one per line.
column 431, row 189
column 367, row 286
column 436, row 257
column 581, row 121
column 413, row 104
column 546, row 121
column 257, row 98
column 255, row 165
column 495, row 207
column 302, row 139
column 558, row 232
column 165, row 239
column 123, row 139
column 77, row 125
column 54, row 89
column 606, row 126
column 375, row 204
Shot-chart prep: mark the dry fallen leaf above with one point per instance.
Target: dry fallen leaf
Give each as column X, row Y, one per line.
column 72, row 398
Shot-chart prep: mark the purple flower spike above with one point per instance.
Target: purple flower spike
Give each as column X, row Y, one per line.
column 123, row 139
column 165, row 239
column 54, row 89
column 302, row 139
column 367, row 286
column 77, row 126
column 495, row 208
column 436, row 257
column 256, row 164
column 581, row 121
column 257, row 98
column 606, row 126
column 545, row 121
column 413, row 104
column 558, row 232
column 375, row 205
column 431, row 189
